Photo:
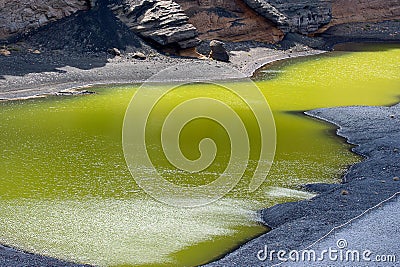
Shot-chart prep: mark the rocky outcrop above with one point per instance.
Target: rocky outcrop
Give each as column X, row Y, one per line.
column 178, row 23
column 24, row 15
column 229, row 20
column 344, row 11
column 163, row 22
column 218, row 51
column 302, row 16
column 362, row 32
column 93, row 31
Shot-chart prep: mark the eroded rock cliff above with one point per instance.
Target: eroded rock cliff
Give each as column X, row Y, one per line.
column 24, row 15
column 345, row 11
column 179, row 23
column 302, row 16
column 229, row 20
column 164, row 22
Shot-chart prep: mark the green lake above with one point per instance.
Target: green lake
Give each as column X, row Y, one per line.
column 66, row 192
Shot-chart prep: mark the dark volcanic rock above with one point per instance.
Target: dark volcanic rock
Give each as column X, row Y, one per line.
column 21, row 16
column 95, row 30
column 218, row 51
column 363, row 32
column 303, row 16
column 163, row 22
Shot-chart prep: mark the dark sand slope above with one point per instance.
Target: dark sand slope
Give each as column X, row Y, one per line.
column 376, row 131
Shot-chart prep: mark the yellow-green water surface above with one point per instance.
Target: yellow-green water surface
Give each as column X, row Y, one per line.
column 65, row 190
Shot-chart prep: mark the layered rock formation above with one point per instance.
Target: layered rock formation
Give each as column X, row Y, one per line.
column 164, row 22
column 344, row 11
column 24, row 15
column 178, row 23
column 229, row 20
column 302, row 16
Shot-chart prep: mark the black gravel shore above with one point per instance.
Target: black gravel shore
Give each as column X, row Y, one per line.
column 10, row 257
column 376, row 133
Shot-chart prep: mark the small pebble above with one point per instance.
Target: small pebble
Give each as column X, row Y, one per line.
column 396, row 178
column 139, row 55
column 392, row 116
column 5, row 52
column 344, row 192
column 114, row 51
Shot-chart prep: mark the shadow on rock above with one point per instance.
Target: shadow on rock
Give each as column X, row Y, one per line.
column 80, row 41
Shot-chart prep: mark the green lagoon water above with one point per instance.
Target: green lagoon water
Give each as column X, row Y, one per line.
column 65, row 190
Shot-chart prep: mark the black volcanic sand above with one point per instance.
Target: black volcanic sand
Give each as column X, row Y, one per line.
column 80, row 40
column 10, row 257
column 376, row 133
